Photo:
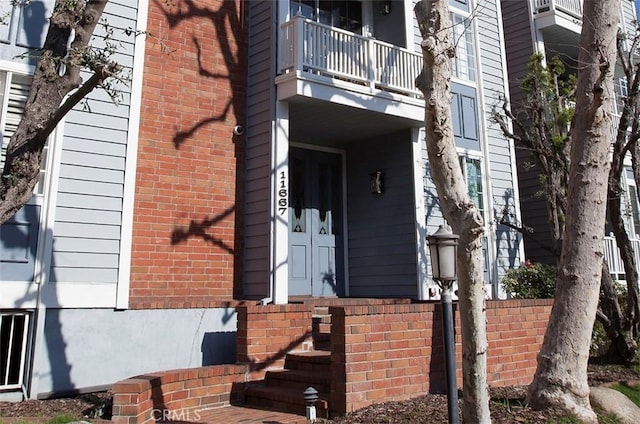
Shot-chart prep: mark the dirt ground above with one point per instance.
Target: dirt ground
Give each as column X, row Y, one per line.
column 507, row 405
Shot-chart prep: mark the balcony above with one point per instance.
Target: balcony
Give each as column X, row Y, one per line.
column 560, row 22
column 323, row 62
column 612, row 255
column 572, row 8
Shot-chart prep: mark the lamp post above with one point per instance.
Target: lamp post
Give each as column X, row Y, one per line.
column 443, row 249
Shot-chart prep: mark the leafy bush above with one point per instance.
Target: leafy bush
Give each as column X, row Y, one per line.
column 532, row 281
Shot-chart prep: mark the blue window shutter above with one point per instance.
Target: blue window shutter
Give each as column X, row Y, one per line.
column 464, row 112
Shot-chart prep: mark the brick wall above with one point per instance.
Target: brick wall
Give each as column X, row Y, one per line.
column 186, row 233
column 381, row 351
column 178, row 395
column 394, row 352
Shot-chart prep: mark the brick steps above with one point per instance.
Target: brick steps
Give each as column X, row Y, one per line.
column 283, row 390
column 298, row 380
column 321, row 328
column 283, row 399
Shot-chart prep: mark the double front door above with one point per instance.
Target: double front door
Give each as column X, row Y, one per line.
column 316, row 263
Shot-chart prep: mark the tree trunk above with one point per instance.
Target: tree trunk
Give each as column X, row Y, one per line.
column 624, row 328
column 459, row 211
column 44, row 107
column 561, row 375
column 623, row 347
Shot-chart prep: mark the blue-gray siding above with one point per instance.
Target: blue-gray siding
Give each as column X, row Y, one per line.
column 260, row 118
column 88, row 215
column 519, row 48
column 381, row 227
column 499, row 154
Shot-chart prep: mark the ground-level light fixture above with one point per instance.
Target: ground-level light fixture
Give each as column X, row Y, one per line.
column 443, row 250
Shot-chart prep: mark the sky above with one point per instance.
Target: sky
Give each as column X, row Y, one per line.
column 638, row 8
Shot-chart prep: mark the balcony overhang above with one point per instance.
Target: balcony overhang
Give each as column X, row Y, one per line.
column 329, row 64
column 561, row 14
column 298, row 85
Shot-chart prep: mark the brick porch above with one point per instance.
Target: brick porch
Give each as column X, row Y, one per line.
column 381, row 350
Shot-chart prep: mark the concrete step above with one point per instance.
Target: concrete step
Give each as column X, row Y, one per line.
column 314, row 360
column 283, row 399
column 299, row 380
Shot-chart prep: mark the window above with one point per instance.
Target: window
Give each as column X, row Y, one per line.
column 340, row 14
column 460, row 4
column 472, row 171
column 633, row 210
column 14, row 89
column 13, row 347
column 462, row 65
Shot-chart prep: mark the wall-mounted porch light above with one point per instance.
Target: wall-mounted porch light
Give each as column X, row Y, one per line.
column 376, row 182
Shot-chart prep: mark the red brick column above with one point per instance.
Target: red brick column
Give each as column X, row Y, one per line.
column 187, row 230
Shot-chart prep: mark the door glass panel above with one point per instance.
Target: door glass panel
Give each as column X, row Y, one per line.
column 298, row 218
column 323, row 198
column 335, row 199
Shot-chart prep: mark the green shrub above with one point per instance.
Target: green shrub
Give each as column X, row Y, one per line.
column 532, row 281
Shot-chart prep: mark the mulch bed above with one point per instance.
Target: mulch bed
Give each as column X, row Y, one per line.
column 507, row 405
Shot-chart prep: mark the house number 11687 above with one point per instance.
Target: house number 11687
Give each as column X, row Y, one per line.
column 282, row 193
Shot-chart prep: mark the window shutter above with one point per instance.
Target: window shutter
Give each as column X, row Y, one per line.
column 17, row 97
column 464, row 111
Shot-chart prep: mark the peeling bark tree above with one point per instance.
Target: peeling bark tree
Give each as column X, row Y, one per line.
column 458, row 209
column 542, row 123
column 65, row 53
column 561, row 375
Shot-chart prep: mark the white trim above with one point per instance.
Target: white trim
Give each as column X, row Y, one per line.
column 20, row 68
column 79, row 295
column 318, row 87
column 489, row 227
column 409, row 26
column 44, row 256
column 279, row 266
column 343, row 166
column 133, row 131
column 420, row 214
column 18, row 295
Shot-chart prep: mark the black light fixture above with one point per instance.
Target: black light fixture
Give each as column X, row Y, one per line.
column 376, row 182
column 443, row 250
column 385, row 7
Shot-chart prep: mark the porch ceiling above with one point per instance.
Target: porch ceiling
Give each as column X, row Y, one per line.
column 559, row 41
column 324, row 123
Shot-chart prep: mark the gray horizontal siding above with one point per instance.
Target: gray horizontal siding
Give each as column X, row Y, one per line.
column 502, row 187
column 87, row 229
column 260, row 115
column 519, row 48
column 382, row 258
